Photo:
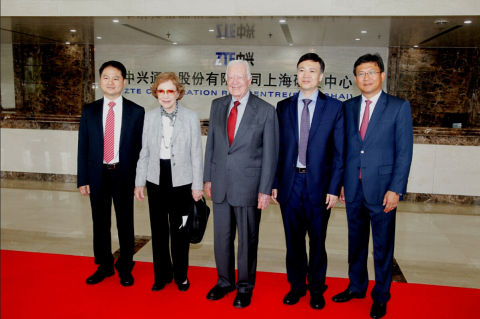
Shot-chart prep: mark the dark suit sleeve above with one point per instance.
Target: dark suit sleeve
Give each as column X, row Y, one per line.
column 82, row 155
column 209, row 147
column 270, row 152
column 403, row 149
column 338, row 166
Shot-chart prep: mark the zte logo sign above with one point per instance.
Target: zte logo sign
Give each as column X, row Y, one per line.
column 224, row 57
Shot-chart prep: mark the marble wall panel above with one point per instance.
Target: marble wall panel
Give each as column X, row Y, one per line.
column 422, row 171
column 436, row 81
column 53, row 78
column 457, row 171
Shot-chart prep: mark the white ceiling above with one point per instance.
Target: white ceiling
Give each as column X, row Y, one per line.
column 305, row 31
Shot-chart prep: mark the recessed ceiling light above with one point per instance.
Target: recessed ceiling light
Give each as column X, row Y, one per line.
column 290, row 44
column 282, row 20
column 73, row 30
column 357, row 39
column 116, row 21
column 211, row 30
column 415, row 46
column 467, row 22
column 223, row 38
column 174, row 42
column 67, row 42
column 99, row 38
column 364, row 31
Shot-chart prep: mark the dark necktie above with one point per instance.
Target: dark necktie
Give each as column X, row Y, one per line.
column 304, row 131
column 109, row 137
column 232, row 122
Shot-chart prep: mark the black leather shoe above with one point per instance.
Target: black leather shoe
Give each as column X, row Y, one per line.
column 126, row 280
column 347, row 295
column 157, row 287
column 99, row 275
column 379, row 309
column 184, row 287
column 317, row 301
column 218, row 292
column 242, row 299
column 293, row 297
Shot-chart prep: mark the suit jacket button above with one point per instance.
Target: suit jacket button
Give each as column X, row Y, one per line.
column 229, row 153
column 173, row 164
column 173, row 155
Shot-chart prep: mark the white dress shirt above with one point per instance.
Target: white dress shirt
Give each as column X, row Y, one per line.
column 117, row 111
column 370, row 109
column 240, row 109
column 311, row 109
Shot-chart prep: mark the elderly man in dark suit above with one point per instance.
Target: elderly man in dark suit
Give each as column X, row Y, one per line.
column 379, row 155
column 240, row 162
column 309, row 177
column 109, row 143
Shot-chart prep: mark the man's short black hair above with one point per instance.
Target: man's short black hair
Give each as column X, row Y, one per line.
column 369, row 58
column 312, row 57
column 116, row 65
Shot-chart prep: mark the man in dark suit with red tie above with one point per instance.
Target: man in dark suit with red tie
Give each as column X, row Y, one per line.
column 309, row 177
column 109, row 143
column 379, row 154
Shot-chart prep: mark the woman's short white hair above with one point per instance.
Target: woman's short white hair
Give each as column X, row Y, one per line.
column 242, row 62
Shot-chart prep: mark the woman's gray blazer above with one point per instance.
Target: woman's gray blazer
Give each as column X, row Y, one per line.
column 186, row 150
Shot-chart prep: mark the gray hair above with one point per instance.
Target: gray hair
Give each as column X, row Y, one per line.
column 244, row 63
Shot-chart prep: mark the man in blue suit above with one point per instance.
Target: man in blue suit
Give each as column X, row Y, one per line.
column 309, row 177
column 379, row 154
column 109, row 143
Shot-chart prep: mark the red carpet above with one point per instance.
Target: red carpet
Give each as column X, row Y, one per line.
column 35, row 285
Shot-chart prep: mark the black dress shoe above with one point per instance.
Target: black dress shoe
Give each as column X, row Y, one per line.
column 126, row 280
column 242, row 299
column 157, row 286
column 99, row 275
column 184, row 287
column 218, row 292
column 347, row 295
column 293, row 297
column 379, row 309
column 317, row 301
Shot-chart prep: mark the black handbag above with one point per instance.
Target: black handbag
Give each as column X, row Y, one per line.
column 197, row 220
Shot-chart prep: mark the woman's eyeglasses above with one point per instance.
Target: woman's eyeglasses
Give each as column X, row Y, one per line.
column 169, row 92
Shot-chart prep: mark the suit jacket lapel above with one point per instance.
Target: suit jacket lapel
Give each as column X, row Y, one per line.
column 178, row 122
column 293, row 110
column 317, row 115
column 126, row 115
column 247, row 118
column 356, row 117
column 223, row 118
column 377, row 112
column 98, row 119
column 158, row 125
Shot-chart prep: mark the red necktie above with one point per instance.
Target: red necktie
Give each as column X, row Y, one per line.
column 363, row 127
column 109, row 138
column 366, row 116
column 232, row 122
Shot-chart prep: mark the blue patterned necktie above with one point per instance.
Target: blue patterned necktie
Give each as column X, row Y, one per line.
column 304, row 131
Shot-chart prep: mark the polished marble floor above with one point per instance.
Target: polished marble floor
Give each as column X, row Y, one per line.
column 436, row 244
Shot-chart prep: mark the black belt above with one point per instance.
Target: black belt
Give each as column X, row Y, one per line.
column 111, row 166
column 301, row 169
